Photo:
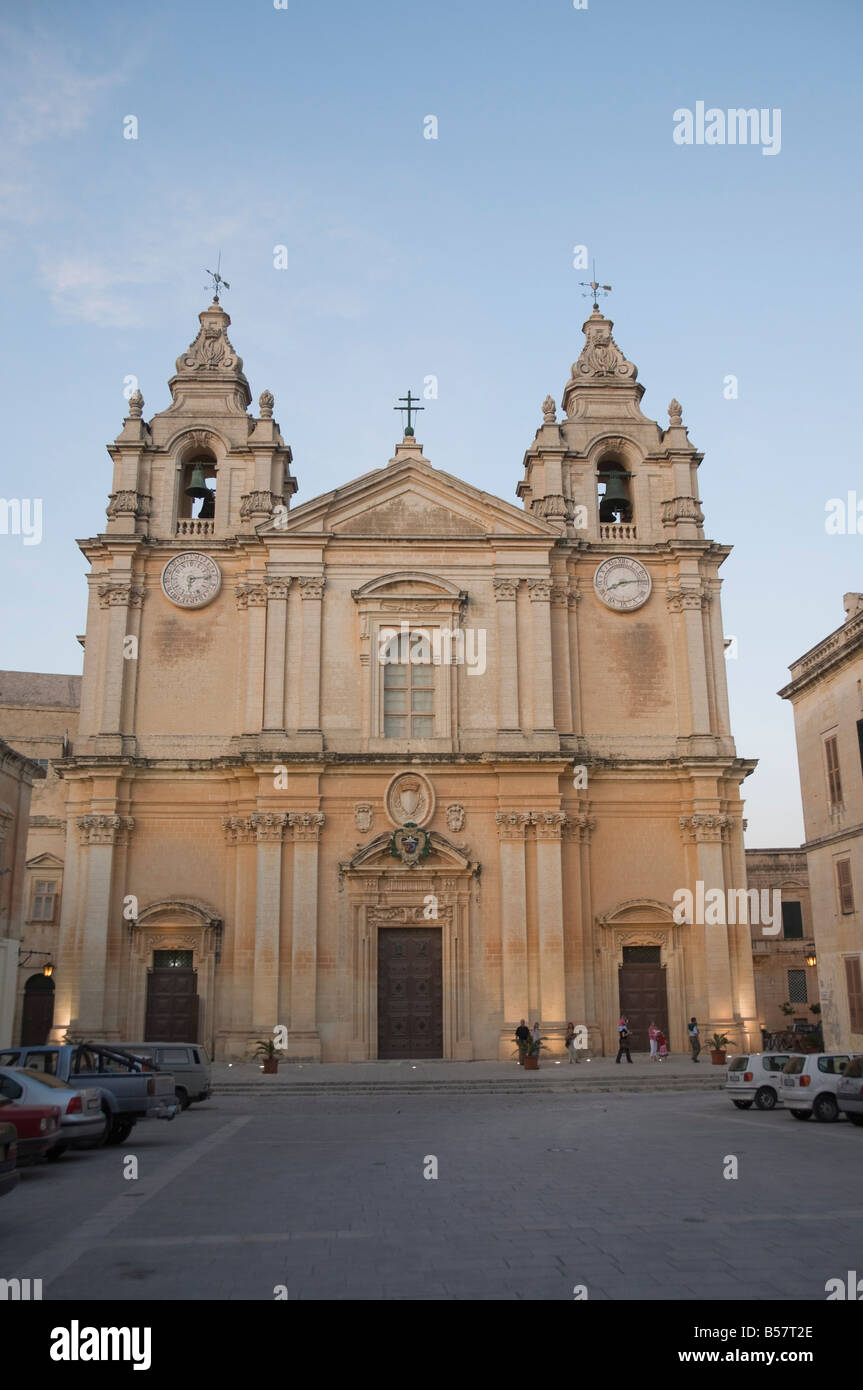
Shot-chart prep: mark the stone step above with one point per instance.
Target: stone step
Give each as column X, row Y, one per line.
column 461, row 1088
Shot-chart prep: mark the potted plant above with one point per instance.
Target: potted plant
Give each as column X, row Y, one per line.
column 787, row 1009
column 718, row 1044
column 531, row 1054
column 267, row 1050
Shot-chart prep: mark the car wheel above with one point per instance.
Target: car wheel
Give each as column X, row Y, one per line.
column 765, row 1098
column 855, row 1119
column 743, row 1104
column 57, row 1152
column 120, row 1131
column 182, row 1098
column 825, row 1108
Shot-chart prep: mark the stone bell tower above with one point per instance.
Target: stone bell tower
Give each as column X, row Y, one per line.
column 640, row 691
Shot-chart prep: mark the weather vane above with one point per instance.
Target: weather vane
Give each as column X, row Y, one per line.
column 409, row 408
column 595, row 288
column 218, row 283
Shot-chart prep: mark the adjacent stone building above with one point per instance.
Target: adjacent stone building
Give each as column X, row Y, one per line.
column 783, row 975
column 17, row 775
column 826, row 691
column 402, row 764
column 38, row 718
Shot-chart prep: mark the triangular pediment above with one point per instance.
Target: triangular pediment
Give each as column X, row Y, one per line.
column 44, row 861
column 409, row 499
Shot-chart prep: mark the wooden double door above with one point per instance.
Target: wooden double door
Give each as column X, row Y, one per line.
column 410, row 992
column 643, row 994
column 172, row 1000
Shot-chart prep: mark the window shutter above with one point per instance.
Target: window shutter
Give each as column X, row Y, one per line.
column 834, row 781
column 854, row 983
column 846, row 892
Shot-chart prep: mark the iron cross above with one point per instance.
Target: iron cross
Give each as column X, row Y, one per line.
column 409, row 407
column 595, row 288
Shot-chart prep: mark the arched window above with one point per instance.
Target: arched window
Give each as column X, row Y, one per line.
column 615, row 502
column 198, row 487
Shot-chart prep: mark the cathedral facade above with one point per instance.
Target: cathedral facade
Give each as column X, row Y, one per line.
column 405, row 763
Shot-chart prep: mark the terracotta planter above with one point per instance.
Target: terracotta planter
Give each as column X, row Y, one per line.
column 718, row 1059
column 531, row 1063
column 270, row 1066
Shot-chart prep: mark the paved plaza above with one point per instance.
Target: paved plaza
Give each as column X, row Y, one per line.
column 535, row 1194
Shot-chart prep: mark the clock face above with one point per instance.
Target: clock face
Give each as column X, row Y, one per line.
column 622, row 583
column 191, row 580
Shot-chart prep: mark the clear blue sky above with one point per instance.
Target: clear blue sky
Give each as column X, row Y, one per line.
column 407, row 257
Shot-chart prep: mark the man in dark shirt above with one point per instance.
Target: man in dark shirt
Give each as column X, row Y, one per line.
column 623, row 1035
column 522, row 1037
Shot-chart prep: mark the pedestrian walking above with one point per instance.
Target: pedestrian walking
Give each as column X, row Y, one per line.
column 651, row 1033
column 623, row 1037
column 661, row 1045
column 522, row 1038
column 694, row 1039
column 570, row 1042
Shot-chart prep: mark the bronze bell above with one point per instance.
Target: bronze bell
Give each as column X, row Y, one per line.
column 197, row 487
column 616, row 497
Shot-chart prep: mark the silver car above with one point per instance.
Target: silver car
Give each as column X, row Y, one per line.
column 81, row 1117
column 849, row 1092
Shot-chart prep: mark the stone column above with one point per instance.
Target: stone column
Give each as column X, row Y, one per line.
column 311, row 592
column 241, row 835
column 689, row 602
column 543, row 684
column 707, row 831
column 117, row 597
column 274, row 672
column 269, row 830
column 303, row 1037
column 505, row 592
column 252, row 597
column 513, row 923
column 561, row 667
column 549, row 881
column 99, row 836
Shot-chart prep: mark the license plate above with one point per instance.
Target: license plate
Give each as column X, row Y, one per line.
column 93, row 1104
column 735, row 1076
column 788, row 1081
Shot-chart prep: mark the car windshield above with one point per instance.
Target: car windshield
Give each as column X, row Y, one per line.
column 776, row 1062
column 738, row 1063
column 794, row 1066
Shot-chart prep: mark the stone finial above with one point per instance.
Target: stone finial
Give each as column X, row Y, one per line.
column 266, row 401
column 675, row 412
column 136, row 405
column 549, row 411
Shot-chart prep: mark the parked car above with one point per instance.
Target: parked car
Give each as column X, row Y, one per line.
column 809, row 1084
column 188, row 1063
column 849, row 1092
column 128, row 1093
column 756, row 1077
column 81, row 1110
column 37, row 1126
column 8, row 1158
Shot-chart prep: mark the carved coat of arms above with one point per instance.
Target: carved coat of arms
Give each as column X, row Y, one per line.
column 410, row 844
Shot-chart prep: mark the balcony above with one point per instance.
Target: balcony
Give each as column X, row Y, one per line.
column 191, row 526
column 618, row 531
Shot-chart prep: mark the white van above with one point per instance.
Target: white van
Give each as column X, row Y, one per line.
column 188, row 1063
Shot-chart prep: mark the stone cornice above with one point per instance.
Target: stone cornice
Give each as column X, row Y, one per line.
column 104, row 830
column 841, row 647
